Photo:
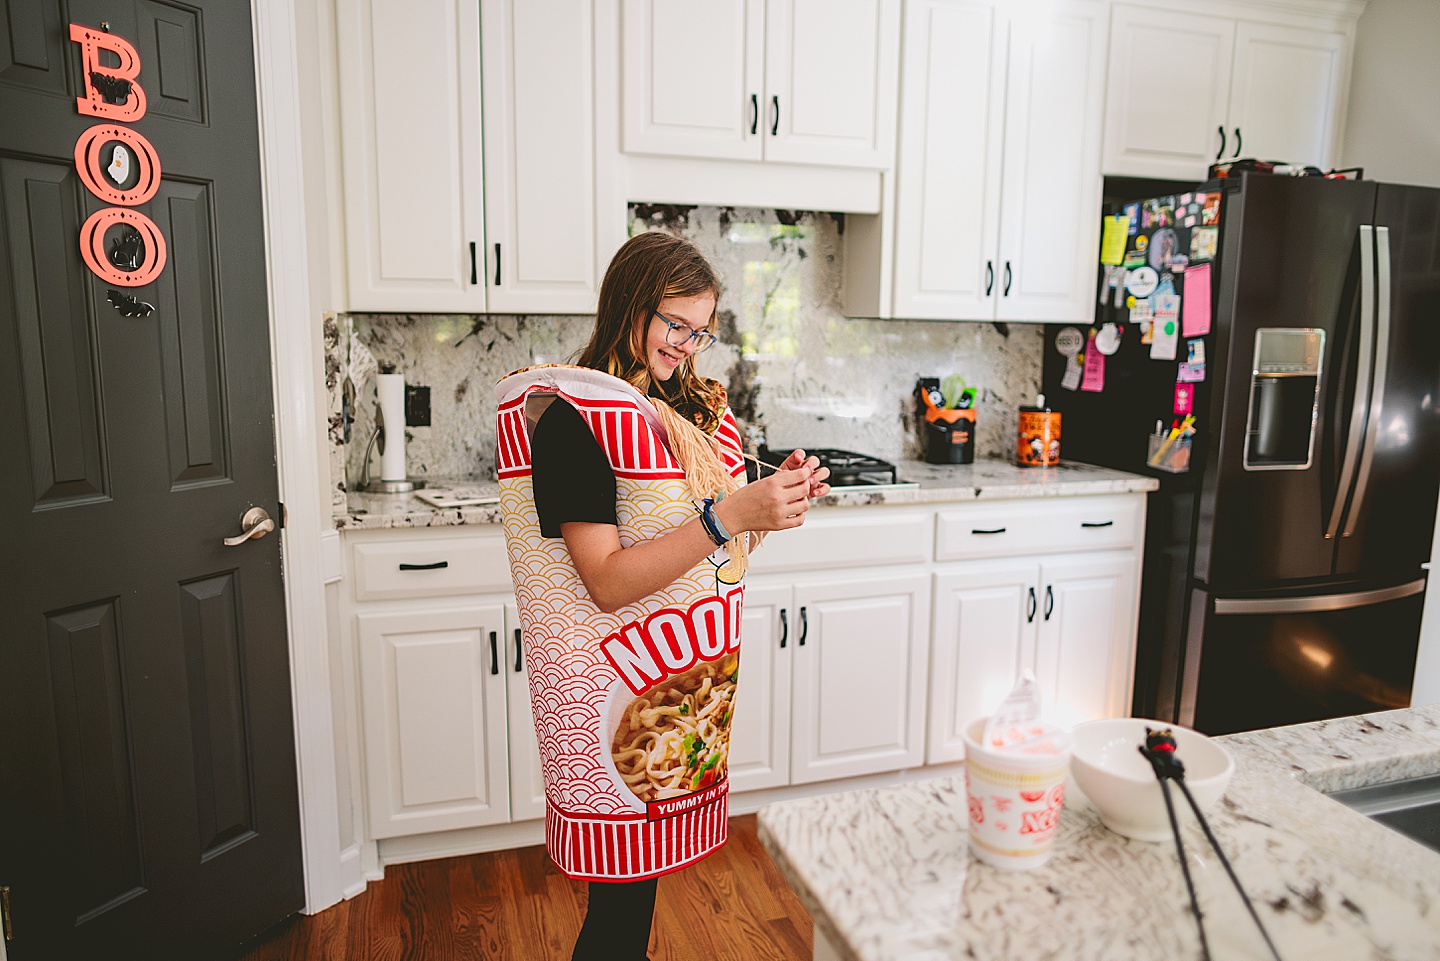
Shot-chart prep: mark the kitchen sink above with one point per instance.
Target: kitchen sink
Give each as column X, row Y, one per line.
column 1411, row 807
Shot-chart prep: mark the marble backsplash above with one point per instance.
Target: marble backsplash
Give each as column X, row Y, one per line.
column 792, row 362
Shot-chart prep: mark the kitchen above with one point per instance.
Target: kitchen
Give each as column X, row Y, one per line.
column 345, row 228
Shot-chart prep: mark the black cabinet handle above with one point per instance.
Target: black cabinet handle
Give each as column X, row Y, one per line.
column 1031, row 607
column 987, row 530
column 775, row 125
column 519, row 664
column 784, row 626
column 989, row 276
column 497, row 265
column 1238, row 144
column 754, row 114
column 1007, row 278
column 474, row 272
column 1097, row 523
column 437, row 566
column 1049, row 601
column 804, row 626
column 494, row 655
column 1221, row 152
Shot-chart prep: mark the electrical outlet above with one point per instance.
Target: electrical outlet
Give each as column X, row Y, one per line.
column 417, row 406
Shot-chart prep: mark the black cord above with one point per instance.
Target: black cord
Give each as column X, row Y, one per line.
column 1185, row 867
column 1210, row 836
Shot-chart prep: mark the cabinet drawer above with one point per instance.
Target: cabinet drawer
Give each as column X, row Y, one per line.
column 431, row 567
column 1039, row 526
column 848, row 538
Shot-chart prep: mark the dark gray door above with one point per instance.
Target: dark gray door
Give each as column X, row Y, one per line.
column 148, row 799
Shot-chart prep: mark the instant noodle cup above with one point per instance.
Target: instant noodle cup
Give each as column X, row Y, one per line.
column 1015, row 795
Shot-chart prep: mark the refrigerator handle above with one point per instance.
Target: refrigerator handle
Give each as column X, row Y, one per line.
column 1362, row 380
column 1377, row 386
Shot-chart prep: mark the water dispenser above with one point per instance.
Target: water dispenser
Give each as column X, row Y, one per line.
column 1284, row 398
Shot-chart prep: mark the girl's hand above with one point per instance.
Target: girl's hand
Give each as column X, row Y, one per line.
column 773, row 503
column 797, row 460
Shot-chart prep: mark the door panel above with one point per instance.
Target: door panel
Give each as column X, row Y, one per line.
column 1286, row 90
column 760, row 732
column 1087, row 635
column 144, row 672
column 527, row 784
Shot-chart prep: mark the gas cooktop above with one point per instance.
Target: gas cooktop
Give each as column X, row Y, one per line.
column 847, row 468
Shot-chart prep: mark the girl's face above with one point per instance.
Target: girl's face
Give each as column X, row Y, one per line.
column 694, row 312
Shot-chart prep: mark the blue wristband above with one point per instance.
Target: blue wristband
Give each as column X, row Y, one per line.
column 713, row 528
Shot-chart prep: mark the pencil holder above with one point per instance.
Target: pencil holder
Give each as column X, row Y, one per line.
column 1168, row 454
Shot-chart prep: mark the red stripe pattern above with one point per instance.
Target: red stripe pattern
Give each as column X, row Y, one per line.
column 607, row 849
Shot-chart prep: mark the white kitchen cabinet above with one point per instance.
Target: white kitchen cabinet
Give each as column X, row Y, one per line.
column 760, row 732
column 540, row 209
column 1188, row 89
column 527, row 785
column 791, row 81
column 1085, row 650
column 435, row 726
column 411, row 155
column 998, row 164
column 858, row 687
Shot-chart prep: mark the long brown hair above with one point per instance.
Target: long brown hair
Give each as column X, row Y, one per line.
column 645, row 270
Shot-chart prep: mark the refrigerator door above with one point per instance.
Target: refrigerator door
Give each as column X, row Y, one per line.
column 1270, row 661
column 1389, row 523
column 1291, row 252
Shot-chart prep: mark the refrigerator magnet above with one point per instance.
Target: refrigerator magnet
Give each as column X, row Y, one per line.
column 1093, row 376
column 1191, row 373
column 1194, row 351
column 1070, row 380
column 1203, row 241
column 1142, row 281
column 1210, row 210
column 1164, row 246
column 1107, row 340
column 1069, row 341
column 1142, row 311
column 1166, row 327
column 1184, row 399
column 1133, row 212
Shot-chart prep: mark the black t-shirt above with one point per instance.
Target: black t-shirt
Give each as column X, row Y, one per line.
column 572, row 476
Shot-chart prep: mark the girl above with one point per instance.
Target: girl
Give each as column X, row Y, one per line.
column 629, row 526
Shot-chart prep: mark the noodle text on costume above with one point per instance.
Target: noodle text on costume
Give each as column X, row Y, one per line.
column 671, row 641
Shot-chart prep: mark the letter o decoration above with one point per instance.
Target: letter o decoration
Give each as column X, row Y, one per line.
column 92, row 246
column 87, row 163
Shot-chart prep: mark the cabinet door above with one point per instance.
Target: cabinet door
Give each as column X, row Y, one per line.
column 433, row 702
column 984, row 632
column 694, row 78
column 760, row 732
column 860, row 666
column 831, row 73
column 1168, row 91
column 1087, row 635
column 947, row 205
column 410, row 139
column 1049, row 236
column 539, row 255
column 1286, row 94
column 527, row 787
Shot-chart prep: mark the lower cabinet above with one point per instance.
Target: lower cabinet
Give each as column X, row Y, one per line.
column 1069, row 618
column 527, row 788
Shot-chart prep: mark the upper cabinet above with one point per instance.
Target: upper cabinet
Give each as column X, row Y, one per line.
column 998, row 165
column 433, row 223
column 1248, row 89
column 794, row 81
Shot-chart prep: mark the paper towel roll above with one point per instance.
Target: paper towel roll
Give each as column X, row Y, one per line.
column 390, row 391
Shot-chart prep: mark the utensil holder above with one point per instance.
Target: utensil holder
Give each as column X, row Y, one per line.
column 1168, row 455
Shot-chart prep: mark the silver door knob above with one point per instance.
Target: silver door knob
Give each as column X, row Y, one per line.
column 253, row 523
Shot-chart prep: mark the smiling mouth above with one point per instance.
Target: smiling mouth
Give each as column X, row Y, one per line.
column 670, row 359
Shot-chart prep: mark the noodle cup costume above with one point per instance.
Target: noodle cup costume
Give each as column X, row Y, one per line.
column 632, row 709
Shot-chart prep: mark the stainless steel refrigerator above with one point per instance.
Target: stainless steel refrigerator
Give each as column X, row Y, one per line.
column 1283, row 577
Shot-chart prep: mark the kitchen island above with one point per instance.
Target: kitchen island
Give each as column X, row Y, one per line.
column 886, row 875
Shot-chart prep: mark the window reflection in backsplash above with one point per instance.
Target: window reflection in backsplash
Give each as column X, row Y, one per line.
column 791, row 361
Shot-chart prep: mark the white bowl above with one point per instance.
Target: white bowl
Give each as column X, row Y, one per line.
column 1108, row 767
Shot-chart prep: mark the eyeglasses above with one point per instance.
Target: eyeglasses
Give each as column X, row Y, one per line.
column 680, row 334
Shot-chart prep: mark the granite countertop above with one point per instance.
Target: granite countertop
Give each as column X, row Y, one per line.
column 934, row 484
column 886, row 876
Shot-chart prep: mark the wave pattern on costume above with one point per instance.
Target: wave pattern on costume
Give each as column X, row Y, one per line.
column 665, row 663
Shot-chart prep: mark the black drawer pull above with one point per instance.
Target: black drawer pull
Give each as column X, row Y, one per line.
column 987, row 530
column 754, row 114
column 1049, row 601
column 519, row 665
column 775, row 123
column 1097, row 523
column 1030, row 608
column 804, row 626
column 474, row 278
column 497, row 265
column 494, row 655
column 784, row 626
column 437, row 566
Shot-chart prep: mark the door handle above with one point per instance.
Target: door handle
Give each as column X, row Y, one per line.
column 519, row 664
column 1031, row 607
column 1319, row 603
column 775, row 120
column 1049, row 601
column 437, row 566
column 474, row 273
column 987, row 530
column 497, row 265
column 1238, row 144
column 1221, row 152
column 784, row 627
column 1097, row 523
column 1006, row 291
column 989, row 277
column 754, row 114
column 253, row 523
column 1377, row 385
column 804, row 626
column 494, row 655
column 1362, row 379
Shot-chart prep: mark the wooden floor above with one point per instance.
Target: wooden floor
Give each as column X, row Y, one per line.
column 515, row 906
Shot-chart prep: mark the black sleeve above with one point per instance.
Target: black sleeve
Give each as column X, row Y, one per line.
column 572, row 477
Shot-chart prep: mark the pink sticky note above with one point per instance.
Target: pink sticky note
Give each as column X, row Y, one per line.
column 1094, row 376
column 1184, row 399
column 1196, row 308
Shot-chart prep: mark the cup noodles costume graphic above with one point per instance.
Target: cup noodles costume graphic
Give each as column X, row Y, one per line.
column 633, row 708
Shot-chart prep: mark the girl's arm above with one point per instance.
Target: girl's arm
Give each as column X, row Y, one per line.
column 616, row 576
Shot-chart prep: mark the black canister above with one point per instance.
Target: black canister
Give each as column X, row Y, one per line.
column 949, row 436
